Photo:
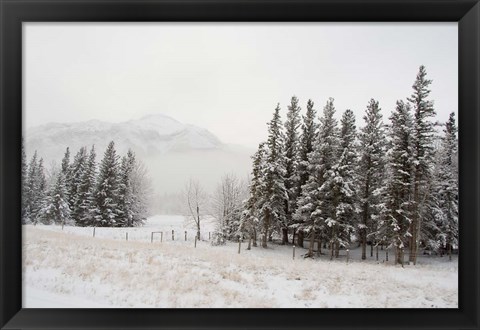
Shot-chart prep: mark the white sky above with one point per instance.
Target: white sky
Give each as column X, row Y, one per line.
column 228, row 77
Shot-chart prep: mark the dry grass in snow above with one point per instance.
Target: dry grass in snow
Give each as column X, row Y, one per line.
column 68, row 269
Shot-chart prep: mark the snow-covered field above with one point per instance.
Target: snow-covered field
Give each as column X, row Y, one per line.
column 73, row 269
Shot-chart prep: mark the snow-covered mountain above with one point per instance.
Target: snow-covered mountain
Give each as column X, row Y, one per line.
column 152, row 134
column 173, row 151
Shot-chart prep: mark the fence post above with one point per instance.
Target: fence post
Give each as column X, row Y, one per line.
column 386, row 254
column 239, row 245
column 126, row 236
column 161, row 237
column 93, row 231
column 377, row 253
column 185, row 235
column 294, row 252
column 173, row 235
column 195, row 241
column 151, row 238
column 348, row 255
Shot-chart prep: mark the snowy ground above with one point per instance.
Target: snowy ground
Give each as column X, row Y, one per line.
column 70, row 269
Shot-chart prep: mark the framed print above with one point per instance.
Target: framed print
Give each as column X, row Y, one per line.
column 240, row 164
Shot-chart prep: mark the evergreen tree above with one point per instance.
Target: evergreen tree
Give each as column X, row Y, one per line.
column 55, row 208
column 141, row 190
column 423, row 135
column 339, row 189
column 75, row 175
column 313, row 206
column 371, row 169
column 275, row 194
column 66, row 162
column 35, row 189
column 24, row 185
column 126, row 198
column 251, row 215
column 291, row 162
column 106, row 194
column 66, row 170
column 446, row 188
column 85, row 198
column 396, row 217
column 307, row 139
column 41, row 183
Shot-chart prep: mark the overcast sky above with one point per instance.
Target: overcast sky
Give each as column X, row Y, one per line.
column 228, row 77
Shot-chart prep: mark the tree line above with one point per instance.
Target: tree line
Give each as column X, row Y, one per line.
column 394, row 185
column 114, row 195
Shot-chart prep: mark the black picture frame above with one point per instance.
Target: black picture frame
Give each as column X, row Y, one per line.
column 14, row 12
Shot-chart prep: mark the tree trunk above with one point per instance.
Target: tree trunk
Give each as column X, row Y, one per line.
column 300, row 238
column 371, row 249
column 413, row 227
column 254, row 237
column 284, row 236
column 366, row 208
column 364, row 243
column 337, row 249
column 264, row 240
column 249, row 243
column 265, row 229
column 198, row 223
column 312, row 241
column 332, row 248
column 401, row 256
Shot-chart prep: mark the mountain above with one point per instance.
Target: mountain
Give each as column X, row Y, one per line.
column 172, row 151
column 152, row 134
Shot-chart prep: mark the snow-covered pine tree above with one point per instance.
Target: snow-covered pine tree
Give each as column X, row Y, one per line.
column 24, row 185
column 125, row 193
column 41, row 183
column 307, row 139
column 35, row 189
column 275, row 195
column 291, row 150
column 85, row 198
column 55, row 208
column 251, row 215
column 66, row 170
column 106, row 194
column 313, row 208
column 339, row 191
column 30, row 190
column 446, row 188
column 423, row 135
column 396, row 214
column 371, row 174
column 76, row 173
column 140, row 184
